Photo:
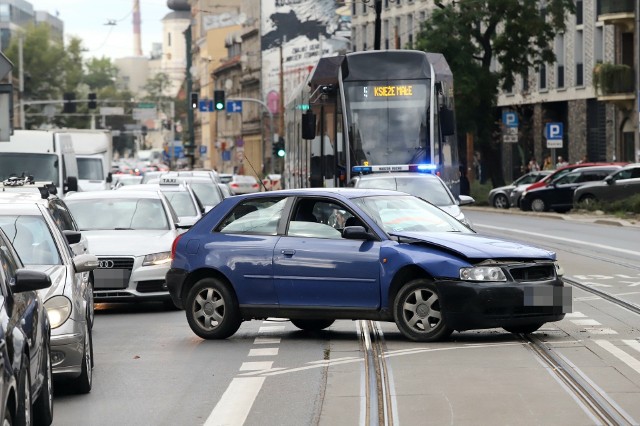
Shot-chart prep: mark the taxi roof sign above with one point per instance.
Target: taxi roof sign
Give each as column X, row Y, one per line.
column 169, row 181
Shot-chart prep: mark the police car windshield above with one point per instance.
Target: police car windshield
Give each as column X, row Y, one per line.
column 432, row 190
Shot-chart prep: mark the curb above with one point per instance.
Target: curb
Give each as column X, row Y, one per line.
column 589, row 218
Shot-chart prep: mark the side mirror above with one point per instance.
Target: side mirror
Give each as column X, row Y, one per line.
column 109, row 178
column 356, row 233
column 308, row 125
column 71, row 184
column 73, row 237
column 29, row 280
column 85, row 262
column 609, row 180
column 464, row 200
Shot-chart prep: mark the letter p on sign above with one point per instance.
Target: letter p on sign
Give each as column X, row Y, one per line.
column 554, row 131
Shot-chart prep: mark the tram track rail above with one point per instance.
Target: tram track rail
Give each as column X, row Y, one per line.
column 607, row 296
column 379, row 410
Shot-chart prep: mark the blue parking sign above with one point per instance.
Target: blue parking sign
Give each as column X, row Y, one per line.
column 554, row 131
column 510, row 119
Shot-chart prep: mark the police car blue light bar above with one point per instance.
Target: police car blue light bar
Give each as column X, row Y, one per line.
column 423, row 168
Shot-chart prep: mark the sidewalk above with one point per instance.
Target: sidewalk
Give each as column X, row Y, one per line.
column 579, row 216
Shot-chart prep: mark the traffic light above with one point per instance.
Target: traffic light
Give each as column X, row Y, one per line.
column 194, row 100
column 69, row 106
column 92, row 101
column 278, row 148
column 218, row 100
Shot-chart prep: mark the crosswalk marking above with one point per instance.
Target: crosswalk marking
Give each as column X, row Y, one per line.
column 235, row 404
column 263, row 352
column 601, row 330
column 585, row 322
column 620, row 354
column 266, row 341
column 575, row 315
column 271, row 329
column 633, row 343
column 256, row 366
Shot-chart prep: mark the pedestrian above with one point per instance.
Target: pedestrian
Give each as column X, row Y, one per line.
column 547, row 164
column 561, row 162
column 533, row 165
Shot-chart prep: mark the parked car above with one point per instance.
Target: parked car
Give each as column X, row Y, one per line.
column 25, row 380
column 424, row 185
column 390, row 256
column 131, row 234
column 244, row 184
column 559, row 172
column 621, row 184
column 42, row 246
column 500, row 197
column 557, row 195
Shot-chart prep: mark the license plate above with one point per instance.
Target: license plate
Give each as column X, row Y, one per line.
column 111, row 278
column 549, row 296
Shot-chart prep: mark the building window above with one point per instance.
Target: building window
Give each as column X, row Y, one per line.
column 579, row 58
column 542, row 77
column 386, row 33
column 353, row 9
column 398, row 39
column 386, row 4
column 598, row 45
column 168, row 39
column 579, row 12
column 525, row 82
column 560, row 54
column 364, row 8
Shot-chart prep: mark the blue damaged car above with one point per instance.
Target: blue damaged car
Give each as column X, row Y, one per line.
column 318, row 255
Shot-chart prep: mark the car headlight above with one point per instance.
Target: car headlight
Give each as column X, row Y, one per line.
column 482, row 273
column 524, row 193
column 559, row 270
column 157, row 259
column 58, row 310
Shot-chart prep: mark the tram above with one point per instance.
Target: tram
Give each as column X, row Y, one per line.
column 389, row 110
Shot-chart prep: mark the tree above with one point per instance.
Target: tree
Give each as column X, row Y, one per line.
column 472, row 35
column 101, row 73
column 157, row 86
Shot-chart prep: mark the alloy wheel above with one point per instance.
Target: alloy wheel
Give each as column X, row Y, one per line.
column 500, row 202
column 421, row 310
column 208, row 308
column 537, row 205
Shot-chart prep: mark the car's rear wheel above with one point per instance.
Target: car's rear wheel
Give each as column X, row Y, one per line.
column 24, row 415
column 212, row 310
column 84, row 382
column 538, row 205
column 43, row 407
column 501, row 202
column 418, row 312
column 587, row 199
column 312, row 324
column 524, row 329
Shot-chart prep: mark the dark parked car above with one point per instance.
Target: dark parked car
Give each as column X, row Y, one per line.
column 500, row 197
column 557, row 195
column 317, row 255
column 621, row 184
column 26, row 385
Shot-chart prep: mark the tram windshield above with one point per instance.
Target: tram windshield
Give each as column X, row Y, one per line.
column 388, row 121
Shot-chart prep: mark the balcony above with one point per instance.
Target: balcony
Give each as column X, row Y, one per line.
column 615, row 83
column 617, row 12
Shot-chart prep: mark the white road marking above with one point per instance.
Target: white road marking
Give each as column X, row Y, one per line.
column 575, row 315
column 266, row 340
column 633, row 343
column 620, row 354
column 600, row 330
column 271, row 329
column 567, row 240
column 235, row 404
column 585, row 322
column 256, row 366
column 263, row 352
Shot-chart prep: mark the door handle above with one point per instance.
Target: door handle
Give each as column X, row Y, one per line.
column 288, row 252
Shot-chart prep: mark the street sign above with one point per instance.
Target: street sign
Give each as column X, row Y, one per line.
column 510, row 119
column 144, row 113
column 111, row 111
column 226, row 155
column 149, row 105
column 234, row 106
column 203, row 150
column 554, row 143
column 205, row 105
column 553, row 131
column 510, row 135
column 5, row 66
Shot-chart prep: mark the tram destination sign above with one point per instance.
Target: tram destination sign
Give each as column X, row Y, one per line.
column 386, row 91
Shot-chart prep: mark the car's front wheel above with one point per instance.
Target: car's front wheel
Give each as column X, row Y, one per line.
column 501, row 202
column 212, row 310
column 24, row 415
column 418, row 312
column 538, row 205
column 587, row 199
column 312, row 324
column 524, row 329
column 84, row 382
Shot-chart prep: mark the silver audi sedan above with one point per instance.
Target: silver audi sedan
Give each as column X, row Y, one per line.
column 131, row 233
column 42, row 246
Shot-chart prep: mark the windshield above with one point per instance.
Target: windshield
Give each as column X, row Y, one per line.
column 408, row 214
column 118, row 213
column 431, row 190
column 528, row 178
column 90, row 169
column 181, row 203
column 32, row 239
column 388, row 121
column 207, row 193
column 43, row 167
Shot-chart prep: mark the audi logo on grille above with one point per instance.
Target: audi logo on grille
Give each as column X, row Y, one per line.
column 106, row 264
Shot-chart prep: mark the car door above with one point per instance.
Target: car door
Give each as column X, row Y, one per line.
column 618, row 188
column 314, row 267
column 561, row 196
column 631, row 186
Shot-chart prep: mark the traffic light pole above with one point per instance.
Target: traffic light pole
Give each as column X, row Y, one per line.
column 271, row 128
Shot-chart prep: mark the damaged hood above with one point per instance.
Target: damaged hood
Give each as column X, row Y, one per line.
column 475, row 246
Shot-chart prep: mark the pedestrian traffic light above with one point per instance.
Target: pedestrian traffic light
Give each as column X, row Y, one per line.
column 218, row 100
column 92, row 101
column 194, row 100
column 69, row 106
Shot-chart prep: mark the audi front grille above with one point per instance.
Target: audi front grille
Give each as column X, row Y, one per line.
column 115, row 263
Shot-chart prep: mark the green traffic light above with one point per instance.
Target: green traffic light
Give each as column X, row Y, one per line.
column 219, row 106
column 281, row 153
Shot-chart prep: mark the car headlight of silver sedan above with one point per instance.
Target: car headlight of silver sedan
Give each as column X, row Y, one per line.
column 58, row 310
column 482, row 273
column 157, row 259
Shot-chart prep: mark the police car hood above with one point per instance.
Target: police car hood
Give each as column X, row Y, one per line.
column 58, row 276
column 129, row 242
column 475, row 246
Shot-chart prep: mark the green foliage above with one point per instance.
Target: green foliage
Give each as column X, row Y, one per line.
column 611, row 78
column 480, row 193
column 101, row 73
column 618, row 208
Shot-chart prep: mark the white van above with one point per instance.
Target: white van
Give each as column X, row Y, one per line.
column 93, row 150
column 46, row 155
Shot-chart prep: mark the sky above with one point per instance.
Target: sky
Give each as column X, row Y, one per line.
column 86, row 19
